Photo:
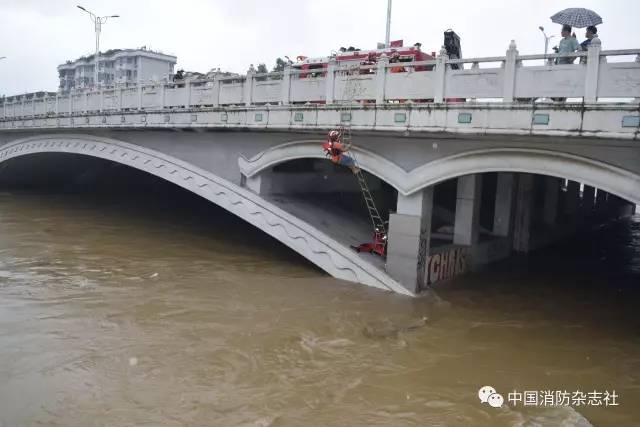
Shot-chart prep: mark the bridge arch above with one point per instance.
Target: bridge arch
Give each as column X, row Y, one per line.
column 333, row 257
column 595, row 173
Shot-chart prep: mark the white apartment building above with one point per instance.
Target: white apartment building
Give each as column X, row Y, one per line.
column 116, row 67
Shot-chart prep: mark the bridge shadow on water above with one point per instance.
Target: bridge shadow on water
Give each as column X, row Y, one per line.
column 592, row 279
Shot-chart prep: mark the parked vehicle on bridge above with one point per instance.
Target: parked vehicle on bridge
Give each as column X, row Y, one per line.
column 400, row 58
column 316, row 67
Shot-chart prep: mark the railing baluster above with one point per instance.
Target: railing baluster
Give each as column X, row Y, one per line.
column 593, row 67
column 440, row 70
column 509, row 73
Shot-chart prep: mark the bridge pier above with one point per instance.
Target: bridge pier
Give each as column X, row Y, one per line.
column 409, row 237
column 572, row 196
column 523, row 213
column 551, row 197
column 466, row 229
column 601, row 202
column 503, row 211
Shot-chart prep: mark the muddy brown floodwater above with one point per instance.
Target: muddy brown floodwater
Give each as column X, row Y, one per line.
column 119, row 312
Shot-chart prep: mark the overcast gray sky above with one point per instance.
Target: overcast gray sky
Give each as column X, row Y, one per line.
column 37, row 35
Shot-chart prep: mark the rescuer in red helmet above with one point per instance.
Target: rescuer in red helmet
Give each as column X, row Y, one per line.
column 395, row 59
column 335, row 149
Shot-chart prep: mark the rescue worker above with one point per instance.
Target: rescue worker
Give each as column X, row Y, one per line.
column 395, row 59
column 335, row 149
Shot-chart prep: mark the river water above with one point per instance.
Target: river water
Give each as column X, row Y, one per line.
column 140, row 311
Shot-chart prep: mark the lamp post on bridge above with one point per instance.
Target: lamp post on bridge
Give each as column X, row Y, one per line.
column 546, row 39
column 387, row 36
column 98, row 21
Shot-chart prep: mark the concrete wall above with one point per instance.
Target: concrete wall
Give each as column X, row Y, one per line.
column 142, row 108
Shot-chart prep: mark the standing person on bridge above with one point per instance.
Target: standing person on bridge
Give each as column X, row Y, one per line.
column 592, row 32
column 335, row 149
column 568, row 44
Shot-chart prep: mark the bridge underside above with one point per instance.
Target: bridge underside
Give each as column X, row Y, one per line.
column 445, row 217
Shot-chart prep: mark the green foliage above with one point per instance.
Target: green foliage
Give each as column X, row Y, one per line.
column 280, row 64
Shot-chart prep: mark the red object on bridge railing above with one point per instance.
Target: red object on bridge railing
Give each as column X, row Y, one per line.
column 316, row 67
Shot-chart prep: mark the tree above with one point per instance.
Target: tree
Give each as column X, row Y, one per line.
column 262, row 69
column 280, row 64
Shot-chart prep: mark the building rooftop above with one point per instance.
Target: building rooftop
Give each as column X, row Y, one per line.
column 115, row 53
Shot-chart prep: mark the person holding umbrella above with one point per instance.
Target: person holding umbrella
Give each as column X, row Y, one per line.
column 574, row 17
column 568, row 44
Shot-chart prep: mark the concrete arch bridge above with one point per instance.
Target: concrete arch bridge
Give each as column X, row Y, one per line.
column 454, row 202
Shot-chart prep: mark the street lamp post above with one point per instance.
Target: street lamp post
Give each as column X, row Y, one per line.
column 386, row 39
column 546, row 39
column 98, row 21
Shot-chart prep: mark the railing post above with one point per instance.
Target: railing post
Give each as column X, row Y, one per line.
column 187, row 87
column 381, row 78
column 247, row 88
column 86, row 101
column 4, row 107
column 162, row 95
column 286, row 85
column 330, row 81
column 440, row 72
column 57, row 107
column 70, row 95
column 509, row 72
column 101, row 99
column 33, row 105
column 216, row 91
column 22, row 98
column 593, row 67
column 139, row 95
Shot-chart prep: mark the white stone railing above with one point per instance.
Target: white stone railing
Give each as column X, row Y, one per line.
column 437, row 81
